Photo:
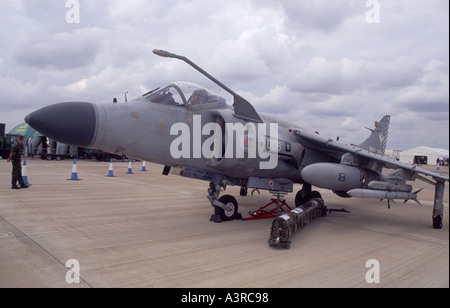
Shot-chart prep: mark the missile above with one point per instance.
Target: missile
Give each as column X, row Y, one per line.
column 380, row 185
column 383, row 194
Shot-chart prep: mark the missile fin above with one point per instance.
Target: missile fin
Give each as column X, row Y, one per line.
column 418, row 191
column 417, row 201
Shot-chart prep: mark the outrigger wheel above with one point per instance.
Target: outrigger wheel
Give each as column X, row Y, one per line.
column 231, row 212
column 437, row 222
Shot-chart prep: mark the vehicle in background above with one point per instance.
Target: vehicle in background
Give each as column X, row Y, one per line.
column 6, row 142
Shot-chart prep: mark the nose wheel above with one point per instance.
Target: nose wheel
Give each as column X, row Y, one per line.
column 230, row 209
column 225, row 207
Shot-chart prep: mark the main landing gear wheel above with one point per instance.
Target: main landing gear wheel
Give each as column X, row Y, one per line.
column 314, row 195
column 243, row 192
column 300, row 199
column 437, row 222
column 231, row 212
column 304, row 196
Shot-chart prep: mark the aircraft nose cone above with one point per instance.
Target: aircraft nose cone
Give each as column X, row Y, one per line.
column 69, row 123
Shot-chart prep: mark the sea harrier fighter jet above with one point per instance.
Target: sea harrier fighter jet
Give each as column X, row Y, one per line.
column 189, row 127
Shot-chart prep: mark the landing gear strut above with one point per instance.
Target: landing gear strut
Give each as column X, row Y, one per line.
column 438, row 209
column 303, row 195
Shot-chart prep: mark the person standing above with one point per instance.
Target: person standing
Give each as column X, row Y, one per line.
column 16, row 159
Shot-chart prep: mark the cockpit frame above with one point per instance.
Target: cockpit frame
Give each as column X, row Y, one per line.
column 175, row 95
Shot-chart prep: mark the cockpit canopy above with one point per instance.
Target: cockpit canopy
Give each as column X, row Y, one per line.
column 185, row 94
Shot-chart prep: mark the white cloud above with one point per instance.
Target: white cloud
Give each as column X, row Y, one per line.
column 59, row 51
column 430, row 94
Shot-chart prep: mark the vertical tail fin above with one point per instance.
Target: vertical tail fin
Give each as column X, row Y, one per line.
column 376, row 142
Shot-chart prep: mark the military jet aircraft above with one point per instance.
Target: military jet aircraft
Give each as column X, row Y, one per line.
column 187, row 126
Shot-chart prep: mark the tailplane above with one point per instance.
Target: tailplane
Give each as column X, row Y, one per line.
column 376, row 142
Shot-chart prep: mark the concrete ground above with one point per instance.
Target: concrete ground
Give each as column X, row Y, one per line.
column 149, row 230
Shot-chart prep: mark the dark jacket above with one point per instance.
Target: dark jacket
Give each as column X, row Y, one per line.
column 16, row 152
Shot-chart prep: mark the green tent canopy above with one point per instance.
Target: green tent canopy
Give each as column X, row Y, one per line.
column 26, row 130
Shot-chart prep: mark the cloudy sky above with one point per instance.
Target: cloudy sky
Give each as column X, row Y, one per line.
column 331, row 66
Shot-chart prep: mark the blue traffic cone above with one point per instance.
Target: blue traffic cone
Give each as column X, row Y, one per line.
column 110, row 171
column 74, row 176
column 143, row 166
column 24, row 172
column 130, row 169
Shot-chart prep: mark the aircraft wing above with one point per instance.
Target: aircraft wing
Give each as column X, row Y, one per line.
column 367, row 158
